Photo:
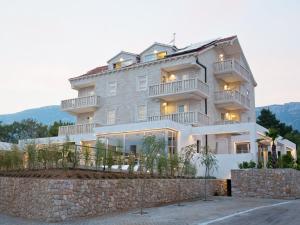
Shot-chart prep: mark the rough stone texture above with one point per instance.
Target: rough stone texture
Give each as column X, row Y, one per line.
column 266, row 183
column 56, row 200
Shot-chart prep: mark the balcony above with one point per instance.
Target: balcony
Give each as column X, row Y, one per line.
column 81, row 105
column 87, row 128
column 193, row 118
column 231, row 100
column 231, row 70
column 178, row 90
column 226, row 122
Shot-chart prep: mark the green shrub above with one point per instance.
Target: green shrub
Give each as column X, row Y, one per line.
column 247, row 165
column 286, row 161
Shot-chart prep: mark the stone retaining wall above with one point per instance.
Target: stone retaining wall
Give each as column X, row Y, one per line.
column 266, row 183
column 56, row 200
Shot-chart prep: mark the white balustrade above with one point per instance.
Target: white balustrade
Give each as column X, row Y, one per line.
column 77, row 129
column 195, row 118
column 75, row 103
column 232, row 96
column 230, row 65
column 179, row 86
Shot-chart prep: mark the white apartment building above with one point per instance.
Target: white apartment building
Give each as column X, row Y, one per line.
column 203, row 93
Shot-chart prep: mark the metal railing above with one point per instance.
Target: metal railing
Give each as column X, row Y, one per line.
column 77, row 129
column 195, row 118
column 75, row 103
column 232, row 96
column 176, row 87
column 230, row 65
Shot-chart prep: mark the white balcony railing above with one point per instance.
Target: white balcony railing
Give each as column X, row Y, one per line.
column 231, row 65
column 180, row 86
column 77, row 129
column 195, row 118
column 232, row 96
column 225, row 122
column 82, row 102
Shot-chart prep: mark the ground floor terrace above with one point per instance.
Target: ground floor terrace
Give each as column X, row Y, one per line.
column 232, row 143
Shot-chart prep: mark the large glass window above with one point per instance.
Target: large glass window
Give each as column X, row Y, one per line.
column 133, row 142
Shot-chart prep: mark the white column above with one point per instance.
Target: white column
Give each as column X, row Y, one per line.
column 253, row 142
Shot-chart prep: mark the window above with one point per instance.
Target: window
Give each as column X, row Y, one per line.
column 141, row 112
column 155, row 56
column 161, row 55
column 141, row 83
column 150, row 57
column 182, row 108
column 111, row 117
column 117, row 65
column 112, row 88
column 242, row 148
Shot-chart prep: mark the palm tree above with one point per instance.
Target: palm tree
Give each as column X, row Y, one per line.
column 273, row 134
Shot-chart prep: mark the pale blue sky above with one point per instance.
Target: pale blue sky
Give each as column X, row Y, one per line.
column 43, row 43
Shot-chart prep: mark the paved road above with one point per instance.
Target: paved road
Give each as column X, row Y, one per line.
column 219, row 211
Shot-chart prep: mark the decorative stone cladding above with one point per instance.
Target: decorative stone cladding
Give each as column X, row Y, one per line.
column 56, row 200
column 266, row 183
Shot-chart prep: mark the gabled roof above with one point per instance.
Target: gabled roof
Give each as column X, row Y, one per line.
column 196, row 47
column 123, row 52
column 160, row 44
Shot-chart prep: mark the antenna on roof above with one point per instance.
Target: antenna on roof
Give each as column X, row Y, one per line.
column 173, row 40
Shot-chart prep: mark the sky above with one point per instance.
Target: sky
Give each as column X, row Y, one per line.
column 44, row 43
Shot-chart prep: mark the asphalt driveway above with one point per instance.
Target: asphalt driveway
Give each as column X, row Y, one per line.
column 220, row 210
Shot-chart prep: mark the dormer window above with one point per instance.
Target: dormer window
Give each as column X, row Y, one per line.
column 155, row 56
column 122, row 63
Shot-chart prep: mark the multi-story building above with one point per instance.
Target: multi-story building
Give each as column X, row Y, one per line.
column 203, row 93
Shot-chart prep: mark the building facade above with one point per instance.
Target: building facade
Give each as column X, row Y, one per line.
column 203, row 93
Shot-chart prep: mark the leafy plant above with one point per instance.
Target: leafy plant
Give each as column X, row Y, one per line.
column 86, row 151
column 152, row 147
column 247, row 165
column 100, row 153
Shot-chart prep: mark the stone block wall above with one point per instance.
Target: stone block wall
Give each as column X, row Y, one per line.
column 266, row 183
column 56, row 200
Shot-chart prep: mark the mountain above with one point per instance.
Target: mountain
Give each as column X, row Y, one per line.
column 46, row 115
column 288, row 113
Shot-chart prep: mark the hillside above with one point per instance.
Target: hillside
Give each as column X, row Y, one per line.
column 46, row 115
column 288, row 113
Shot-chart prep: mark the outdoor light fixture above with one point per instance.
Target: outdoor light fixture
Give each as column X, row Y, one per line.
column 121, row 59
column 165, row 104
column 172, row 77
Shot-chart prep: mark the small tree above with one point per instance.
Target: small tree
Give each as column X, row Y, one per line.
column 100, row 151
column 152, row 147
column 162, row 164
column 17, row 157
column 31, row 152
column 209, row 161
column 86, row 152
column 273, row 134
